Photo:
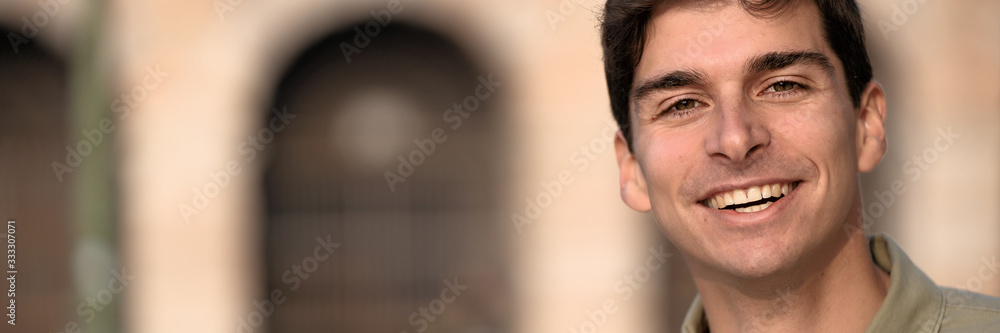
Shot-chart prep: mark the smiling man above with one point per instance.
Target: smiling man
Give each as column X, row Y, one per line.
column 744, row 126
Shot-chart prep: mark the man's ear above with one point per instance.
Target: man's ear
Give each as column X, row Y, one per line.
column 631, row 179
column 871, row 142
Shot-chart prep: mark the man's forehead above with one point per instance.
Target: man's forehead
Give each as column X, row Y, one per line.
column 695, row 34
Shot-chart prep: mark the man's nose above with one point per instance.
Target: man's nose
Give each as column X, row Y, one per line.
column 738, row 132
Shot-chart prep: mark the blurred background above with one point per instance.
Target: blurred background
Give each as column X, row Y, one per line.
column 406, row 166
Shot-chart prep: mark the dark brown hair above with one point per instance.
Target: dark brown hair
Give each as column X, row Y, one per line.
column 623, row 36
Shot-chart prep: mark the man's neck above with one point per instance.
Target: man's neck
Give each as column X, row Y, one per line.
column 841, row 295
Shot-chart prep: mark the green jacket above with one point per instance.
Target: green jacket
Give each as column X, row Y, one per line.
column 914, row 302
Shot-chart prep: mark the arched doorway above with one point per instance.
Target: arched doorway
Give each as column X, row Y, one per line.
column 35, row 195
column 397, row 157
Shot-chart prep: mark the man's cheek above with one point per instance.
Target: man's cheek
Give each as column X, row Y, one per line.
column 667, row 207
column 659, row 185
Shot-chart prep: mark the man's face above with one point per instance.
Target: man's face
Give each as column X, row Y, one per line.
column 728, row 109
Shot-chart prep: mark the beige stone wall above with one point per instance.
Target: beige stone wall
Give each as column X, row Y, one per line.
column 940, row 62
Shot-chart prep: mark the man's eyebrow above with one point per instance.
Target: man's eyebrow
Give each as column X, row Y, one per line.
column 669, row 80
column 778, row 60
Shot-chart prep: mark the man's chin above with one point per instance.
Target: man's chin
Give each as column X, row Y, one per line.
column 757, row 269
column 755, row 262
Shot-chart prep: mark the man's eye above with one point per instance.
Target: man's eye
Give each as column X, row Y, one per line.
column 783, row 86
column 680, row 109
column 686, row 104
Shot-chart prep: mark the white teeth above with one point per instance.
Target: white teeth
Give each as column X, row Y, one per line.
column 740, row 197
column 754, row 209
column 765, row 205
column 751, row 194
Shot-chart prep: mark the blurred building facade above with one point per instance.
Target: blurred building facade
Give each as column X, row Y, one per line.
column 432, row 165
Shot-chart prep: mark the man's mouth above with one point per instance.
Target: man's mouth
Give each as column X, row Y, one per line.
column 751, row 199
